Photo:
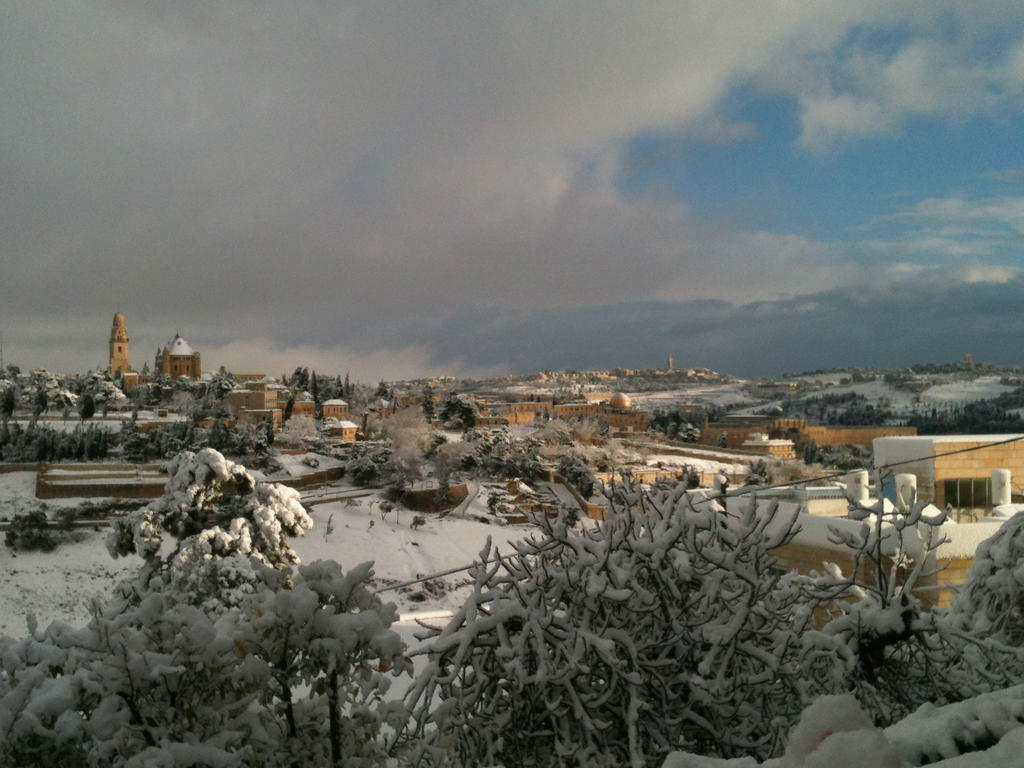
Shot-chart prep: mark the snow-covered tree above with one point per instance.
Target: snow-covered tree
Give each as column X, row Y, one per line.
column 220, row 521
column 882, row 644
column 87, row 407
column 411, row 439
column 575, row 470
column 324, row 646
column 299, row 431
column 8, row 400
column 991, row 600
column 175, row 670
column 663, row 626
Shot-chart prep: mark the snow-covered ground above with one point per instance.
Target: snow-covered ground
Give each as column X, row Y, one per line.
column 401, row 552
column 60, row 585
column 18, row 493
column 299, row 465
column 875, row 391
column 715, row 394
column 982, row 388
column 702, row 465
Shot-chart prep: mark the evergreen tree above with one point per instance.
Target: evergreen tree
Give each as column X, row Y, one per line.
column 7, row 402
column 87, row 406
column 41, row 402
column 428, row 402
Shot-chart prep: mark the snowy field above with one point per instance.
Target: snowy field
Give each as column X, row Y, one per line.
column 15, row 487
column 875, row 391
column 981, row 388
column 722, row 395
column 60, row 585
column 702, row 465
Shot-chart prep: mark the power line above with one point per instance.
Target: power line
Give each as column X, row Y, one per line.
column 833, row 475
column 738, row 492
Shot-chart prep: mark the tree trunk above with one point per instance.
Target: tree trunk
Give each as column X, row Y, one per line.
column 334, row 718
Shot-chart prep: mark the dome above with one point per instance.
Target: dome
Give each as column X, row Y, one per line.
column 619, row 400
column 178, row 346
column 118, row 318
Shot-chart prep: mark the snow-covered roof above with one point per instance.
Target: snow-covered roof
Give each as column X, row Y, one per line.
column 346, row 424
column 178, row 346
column 962, row 540
column 335, row 401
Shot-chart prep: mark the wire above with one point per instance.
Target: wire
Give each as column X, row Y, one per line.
column 744, row 490
column 1009, row 440
column 833, row 475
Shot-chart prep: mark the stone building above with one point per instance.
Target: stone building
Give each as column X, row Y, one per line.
column 119, row 341
column 178, row 359
column 955, row 470
column 335, row 409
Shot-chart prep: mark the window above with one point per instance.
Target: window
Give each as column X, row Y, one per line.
column 969, row 492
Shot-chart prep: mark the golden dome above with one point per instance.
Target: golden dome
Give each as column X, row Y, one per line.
column 619, row 400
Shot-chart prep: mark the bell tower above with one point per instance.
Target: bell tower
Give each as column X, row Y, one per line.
column 119, row 364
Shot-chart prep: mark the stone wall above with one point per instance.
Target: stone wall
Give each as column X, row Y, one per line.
column 854, row 435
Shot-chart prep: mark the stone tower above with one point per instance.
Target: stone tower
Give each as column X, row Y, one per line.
column 671, row 362
column 119, row 363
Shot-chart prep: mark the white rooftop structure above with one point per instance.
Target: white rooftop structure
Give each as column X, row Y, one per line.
column 334, row 401
column 178, row 346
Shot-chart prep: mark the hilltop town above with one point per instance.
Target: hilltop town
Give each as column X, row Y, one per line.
column 425, row 476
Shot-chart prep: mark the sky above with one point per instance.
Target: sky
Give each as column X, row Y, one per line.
column 408, row 188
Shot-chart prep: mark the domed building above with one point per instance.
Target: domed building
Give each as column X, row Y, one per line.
column 620, row 414
column 619, row 400
column 178, row 359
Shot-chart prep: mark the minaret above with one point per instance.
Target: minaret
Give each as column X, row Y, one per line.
column 119, row 364
column 670, row 361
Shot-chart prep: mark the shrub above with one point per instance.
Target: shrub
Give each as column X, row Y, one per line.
column 29, row 532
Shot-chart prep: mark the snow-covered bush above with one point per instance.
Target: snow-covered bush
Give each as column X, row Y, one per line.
column 28, row 531
column 370, row 465
column 329, row 638
column 611, row 646
column 991, row 601
column 881, row 644
column 210, row 655
column 498, row 453
column 671, row 626
column 221, row 523
column 575, row 470
column 300, row 432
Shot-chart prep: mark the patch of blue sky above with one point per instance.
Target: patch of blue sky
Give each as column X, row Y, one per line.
column 766, row 182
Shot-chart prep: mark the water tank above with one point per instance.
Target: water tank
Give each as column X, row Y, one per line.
column 906, row 490
column 857, row 486
column 1000, row 487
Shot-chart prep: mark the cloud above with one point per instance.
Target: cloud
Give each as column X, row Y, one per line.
column 1007, row 175
column 265, row 355
column 332, row 176
column 897, row 67
column 925, row 316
